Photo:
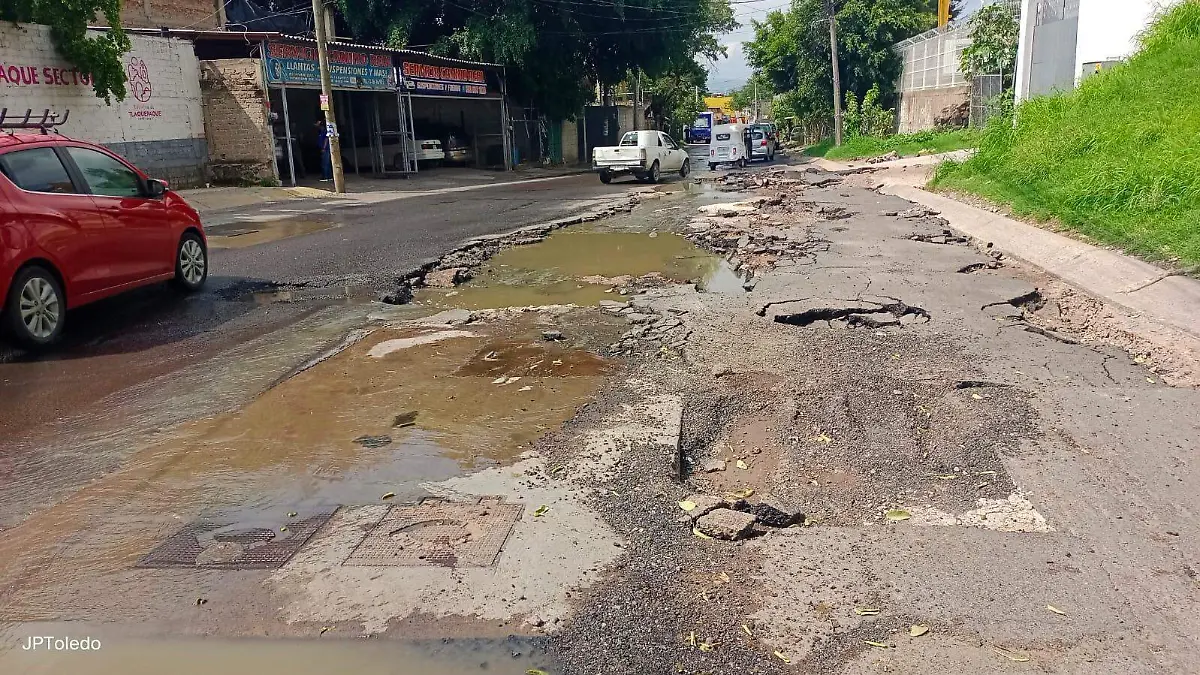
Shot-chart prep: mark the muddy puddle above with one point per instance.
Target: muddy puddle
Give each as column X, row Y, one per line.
column 400, row 408
column 582, row 267
column 252, row 233
column 124, row 656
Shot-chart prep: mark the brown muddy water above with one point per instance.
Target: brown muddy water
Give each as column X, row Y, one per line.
column 582, row 267
column 253, row 233
column 431, row 404
column 123, row 656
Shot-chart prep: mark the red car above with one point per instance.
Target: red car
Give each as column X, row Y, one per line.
column 79, row 223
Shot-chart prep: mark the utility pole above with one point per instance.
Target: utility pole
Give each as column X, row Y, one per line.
column 837, row 76
column 335, row 144
column 755, row 100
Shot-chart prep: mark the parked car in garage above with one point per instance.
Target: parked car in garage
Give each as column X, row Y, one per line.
column 646, row 154
column 427, row 151
column 78, row 224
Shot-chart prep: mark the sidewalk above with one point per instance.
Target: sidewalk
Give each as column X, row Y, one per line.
column 1113, row 276
column 366, row 189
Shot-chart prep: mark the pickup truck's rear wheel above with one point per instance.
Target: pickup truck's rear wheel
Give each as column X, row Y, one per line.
column 712, row 167
column 685, row 169
column 606, row 176
column 654, row 174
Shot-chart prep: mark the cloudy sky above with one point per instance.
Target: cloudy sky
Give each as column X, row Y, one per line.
column 732, row 72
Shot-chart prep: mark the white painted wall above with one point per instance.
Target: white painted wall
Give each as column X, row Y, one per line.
column 169, row 108
column 1109, row 29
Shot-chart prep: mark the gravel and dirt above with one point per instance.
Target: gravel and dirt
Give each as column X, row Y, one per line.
column 784, row 424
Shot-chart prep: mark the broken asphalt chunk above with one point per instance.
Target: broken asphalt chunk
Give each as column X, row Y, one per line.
column 725, row 524
column 702, row 504
column 373, row 441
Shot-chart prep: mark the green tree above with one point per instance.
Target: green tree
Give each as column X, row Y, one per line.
column 743, row 98
column 557, row 48
column 792, row 49
column 672, row 96
column 99, row 54
column 993, row 48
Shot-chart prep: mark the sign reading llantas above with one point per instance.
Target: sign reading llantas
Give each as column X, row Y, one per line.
column 426, row 79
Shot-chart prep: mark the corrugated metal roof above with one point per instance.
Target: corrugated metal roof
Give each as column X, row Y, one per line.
column 268, row 35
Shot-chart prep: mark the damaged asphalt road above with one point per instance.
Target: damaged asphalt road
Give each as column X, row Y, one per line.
column 766, row 430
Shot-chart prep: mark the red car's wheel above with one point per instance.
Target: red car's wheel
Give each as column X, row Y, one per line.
column 191, row 262
column 36, row 309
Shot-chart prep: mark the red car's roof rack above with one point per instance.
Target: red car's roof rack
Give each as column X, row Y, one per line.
column 46, row 123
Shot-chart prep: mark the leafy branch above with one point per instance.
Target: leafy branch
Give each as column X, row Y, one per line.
column 98, row 55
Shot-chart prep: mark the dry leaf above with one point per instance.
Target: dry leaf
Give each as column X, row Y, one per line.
column 325, row 629
column 740, row 494
column 388, row 495
column 823, row 438
column 700, row 534
column 881, row 645
column 747, row 630
column 977, row 397
column 541, row 511
column 723, row 577
column 783, row 658
column 1150, row 380
column 917, row 630
column 866, row 611
column 707, row 646
column 741, row 465
column 1011, row 656
column 897, row 515
column 1056, row 610
column 985, row 473
column 535, row 671
column 291, row 514
column 283, row 528
column 687, row 505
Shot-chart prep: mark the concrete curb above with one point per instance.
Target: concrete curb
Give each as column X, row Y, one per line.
column 1115, row 277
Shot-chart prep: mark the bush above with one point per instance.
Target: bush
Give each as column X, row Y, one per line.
column 1118, row 159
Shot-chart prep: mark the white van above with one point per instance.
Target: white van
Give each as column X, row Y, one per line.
column 730, row 145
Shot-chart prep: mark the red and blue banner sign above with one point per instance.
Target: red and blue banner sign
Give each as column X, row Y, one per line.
column 297, row 65
column 420, row 78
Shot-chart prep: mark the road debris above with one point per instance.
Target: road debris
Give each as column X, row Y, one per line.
column 725, row 524
column 917, row 630
column 896, row 515
column 373, row 441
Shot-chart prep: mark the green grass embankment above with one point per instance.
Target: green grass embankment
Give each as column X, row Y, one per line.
column 1117, row 160
column 906, row 145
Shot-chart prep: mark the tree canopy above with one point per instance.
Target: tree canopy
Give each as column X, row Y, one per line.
column 993, row 48
column 792, row 49
column 557, row 48
column 99, row 54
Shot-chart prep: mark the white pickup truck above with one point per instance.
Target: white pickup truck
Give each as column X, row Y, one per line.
column 645, row 154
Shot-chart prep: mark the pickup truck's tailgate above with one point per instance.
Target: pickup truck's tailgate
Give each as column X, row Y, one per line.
column 623, row 156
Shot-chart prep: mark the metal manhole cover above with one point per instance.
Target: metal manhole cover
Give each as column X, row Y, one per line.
column 439, row 533
column 213, row 544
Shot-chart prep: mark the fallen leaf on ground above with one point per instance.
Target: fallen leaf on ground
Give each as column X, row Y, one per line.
column 881, row 645
column 747, row 630
column 866, row 611
column 559, row 470
column 985, row 473
column 541, row 511
column 700, row 534
column 823, row 438
column 897, row 514
column 691, row 639
column 388, row 495
column 976, row 397
column 535, row 671
column 499, row 380
column 741, row 464
column 687, row 505
column 1150, row 380
column 526, row 388
column 741, row 494
column 325, row 629
column 783, row 658
column 707, row 646
column 723, row 577
column 917, row 630
column 1011, row 656
column 1056, row 610
column 283, row 528
column 895, row 357
column 944, row 476
column 291, row 514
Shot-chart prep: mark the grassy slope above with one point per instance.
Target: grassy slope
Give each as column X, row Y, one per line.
column 1118, row 159
column 906, row 145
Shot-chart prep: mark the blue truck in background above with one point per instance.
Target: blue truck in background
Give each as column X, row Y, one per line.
column 701, row 129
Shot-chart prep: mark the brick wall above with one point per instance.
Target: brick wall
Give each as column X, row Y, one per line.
column 197, row 14
column 160, row 123
column 240, row 143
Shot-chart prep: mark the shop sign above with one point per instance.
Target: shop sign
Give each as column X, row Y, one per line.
column 297, row 65
column 425, row 79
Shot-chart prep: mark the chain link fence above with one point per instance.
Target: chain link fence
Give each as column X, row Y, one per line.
column 985, row 90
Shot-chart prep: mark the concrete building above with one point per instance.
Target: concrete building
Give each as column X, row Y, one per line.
column 160, row 124
column 1064, row 41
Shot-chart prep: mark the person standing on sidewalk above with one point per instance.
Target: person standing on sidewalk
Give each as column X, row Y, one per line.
column 326, row 157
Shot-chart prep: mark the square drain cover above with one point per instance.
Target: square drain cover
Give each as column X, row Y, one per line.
column 214, row 544
column 439, row 533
